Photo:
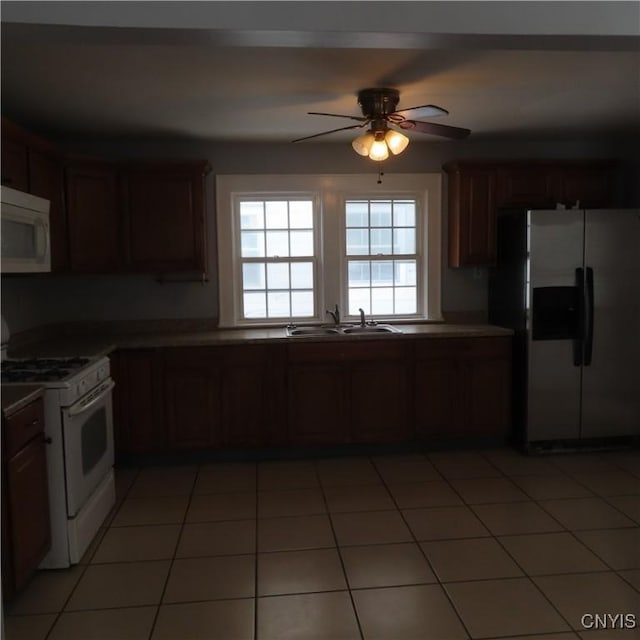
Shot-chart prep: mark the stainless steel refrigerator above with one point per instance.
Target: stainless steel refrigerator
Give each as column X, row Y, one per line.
column 568, row 283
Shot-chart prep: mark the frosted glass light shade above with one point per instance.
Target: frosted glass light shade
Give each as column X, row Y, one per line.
column 396, row 141
column 379, row 150
column 362, row 144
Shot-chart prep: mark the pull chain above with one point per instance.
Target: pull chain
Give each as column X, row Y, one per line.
column 380, row 174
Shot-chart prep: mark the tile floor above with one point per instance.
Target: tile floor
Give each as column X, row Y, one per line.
column 445, row 546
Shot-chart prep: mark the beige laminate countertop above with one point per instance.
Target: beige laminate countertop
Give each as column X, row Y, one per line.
column 103, row 343
column 17, row 396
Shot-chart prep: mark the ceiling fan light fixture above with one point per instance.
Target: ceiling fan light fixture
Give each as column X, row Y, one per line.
column 396, row 141
column 379, row 150
column 362, row 144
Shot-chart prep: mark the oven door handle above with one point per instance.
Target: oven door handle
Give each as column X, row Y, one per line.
column 73, row 411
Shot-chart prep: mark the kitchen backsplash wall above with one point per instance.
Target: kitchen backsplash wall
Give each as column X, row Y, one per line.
column 30, row 301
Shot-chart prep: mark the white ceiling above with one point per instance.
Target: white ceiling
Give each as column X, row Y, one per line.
column 74, row 72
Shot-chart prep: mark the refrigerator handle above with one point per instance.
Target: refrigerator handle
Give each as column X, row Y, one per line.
column 588, row 318
column 578, row 341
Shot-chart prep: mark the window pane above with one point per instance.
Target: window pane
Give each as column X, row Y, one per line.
column 382, row 273
column 255, row 305
column 278, row 304
column 301, row 243
column 405, row 300
column 404, row 240
column 357, row 213
column 404, row 213
column 252, row 244
column 359, row 273
column 357, row 242
column 381, row 213
column 382, row 301
column 302, row 303
column 359, row 299
column 302, row 275
column 380, row 241
column 278, row 275
column 277, row 243
column 405, row 272
column 301, row 214
column 276, row 214
column 253, row 275
column 251, row 215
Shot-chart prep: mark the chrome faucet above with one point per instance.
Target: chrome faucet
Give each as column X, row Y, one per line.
column 335, row 314
column 362, row 319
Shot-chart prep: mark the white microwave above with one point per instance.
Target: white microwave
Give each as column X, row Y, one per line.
column 25, row 240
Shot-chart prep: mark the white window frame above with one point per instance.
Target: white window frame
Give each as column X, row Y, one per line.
column 329, row 193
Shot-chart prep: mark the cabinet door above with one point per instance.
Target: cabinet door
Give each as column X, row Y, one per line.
column 437, row 395
column 165, row 221
column 472, row 216
column 93, row 218
column 489, row 391
column 138, row 422
column 15, row 172
column 192, row 385
column 29, row 507
column 525, row 186
column 587, row 187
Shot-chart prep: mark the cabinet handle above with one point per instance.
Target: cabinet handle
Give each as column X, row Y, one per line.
column 35, row 422
column 47, row 440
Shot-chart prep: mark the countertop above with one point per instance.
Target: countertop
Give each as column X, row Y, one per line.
column 104, row 341
column 17, row 396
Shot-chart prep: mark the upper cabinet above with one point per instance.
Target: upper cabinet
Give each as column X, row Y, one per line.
column 477, row 189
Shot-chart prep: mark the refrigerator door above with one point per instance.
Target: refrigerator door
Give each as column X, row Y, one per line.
column 611, row 384
column 555, row 243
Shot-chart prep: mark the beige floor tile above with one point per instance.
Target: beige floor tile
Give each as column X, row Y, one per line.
column 386, row 565
column 220, row 620
column 294, row 474
column 130, row 584
column 108, row 624
column 163, row 481
column 548, row 553
column 124, row 478
column 225, row 477
column 516, row 464
column 370, row 527
column 463, row 465
column 28, row 627
column 410, row 495
column 416, row 612
column 232, row 537
column 488, row 490
column 629, row 505
column 491, row 608
column 290, row 502
column 312, row 616
column 547, row 487
column 632, row 576
column 439, row 523
column 93, row 546
column 586, row 513
column 372, row 497
column 515, row 517
column 583, row 462
column 608, row 634
column 125, row 544
column 611, row 483
column 619, row 548
column 410, row 468
column 471, row 559
column 627, row 460
column 297, row 533
column 140, row 511
column 47, row 592
column 339, row 472
column 291, row 572
column 216, row 578
column 546, row 636
column 575, row 595
column 214, row 507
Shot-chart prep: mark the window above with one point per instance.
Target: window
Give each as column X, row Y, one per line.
column 290, row 247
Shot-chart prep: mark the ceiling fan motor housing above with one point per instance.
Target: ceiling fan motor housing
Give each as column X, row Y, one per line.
column 376, row 103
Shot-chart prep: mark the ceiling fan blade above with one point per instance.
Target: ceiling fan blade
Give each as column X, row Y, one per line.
column 324, row 133
column 445, row 130
column 337, row 115
column 422, row 111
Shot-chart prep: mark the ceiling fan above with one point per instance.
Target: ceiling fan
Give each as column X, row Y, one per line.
column 379, row 110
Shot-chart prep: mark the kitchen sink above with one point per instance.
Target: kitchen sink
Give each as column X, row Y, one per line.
column 372, row 328
column 314, row 332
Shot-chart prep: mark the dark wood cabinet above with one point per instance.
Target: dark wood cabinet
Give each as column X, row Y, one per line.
column 462, row 387
column 163, row 210
column 26, row 527
column 526, row 186
column 15, row 170
column 93, row 218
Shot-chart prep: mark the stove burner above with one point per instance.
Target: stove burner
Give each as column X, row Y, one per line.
column 40, row 369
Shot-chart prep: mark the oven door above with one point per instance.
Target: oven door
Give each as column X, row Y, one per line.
column 88, row 444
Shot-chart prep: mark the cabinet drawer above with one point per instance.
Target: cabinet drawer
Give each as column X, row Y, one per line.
column 22, row 426
column 455, row 347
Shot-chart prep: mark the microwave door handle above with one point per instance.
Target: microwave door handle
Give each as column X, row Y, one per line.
column 73, row 411
column 42, row 239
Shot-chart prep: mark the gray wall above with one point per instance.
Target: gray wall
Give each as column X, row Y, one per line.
column 29, row 301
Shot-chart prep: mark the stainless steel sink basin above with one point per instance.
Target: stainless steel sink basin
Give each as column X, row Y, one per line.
column 314, row 332
column 373, row 328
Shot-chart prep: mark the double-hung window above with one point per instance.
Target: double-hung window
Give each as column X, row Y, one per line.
column 292, row 246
